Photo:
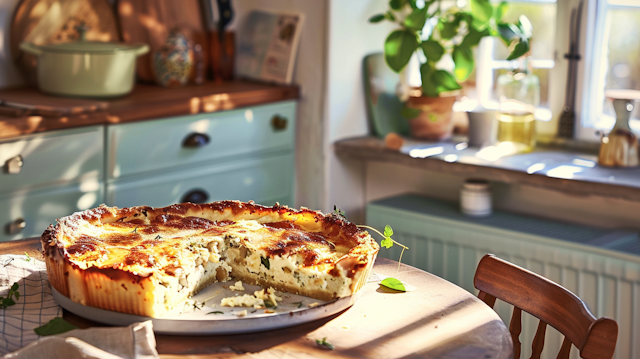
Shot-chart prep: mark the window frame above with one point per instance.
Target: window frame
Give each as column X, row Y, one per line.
column 589, row 91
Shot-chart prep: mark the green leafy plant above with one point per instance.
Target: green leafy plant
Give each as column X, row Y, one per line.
column 8, row 301
column 433, row 32
column 55, row 326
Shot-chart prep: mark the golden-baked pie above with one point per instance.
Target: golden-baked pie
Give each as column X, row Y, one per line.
column 145, row 261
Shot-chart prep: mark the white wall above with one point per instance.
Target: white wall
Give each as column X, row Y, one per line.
column 350, row 38
column 310, row 75
column 9, row 75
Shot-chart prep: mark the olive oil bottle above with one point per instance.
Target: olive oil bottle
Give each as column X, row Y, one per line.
column 519, row 95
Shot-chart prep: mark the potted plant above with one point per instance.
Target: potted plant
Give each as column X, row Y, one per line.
column 439, row 37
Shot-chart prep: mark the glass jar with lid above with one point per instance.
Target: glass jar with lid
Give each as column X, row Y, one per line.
column 519, row 95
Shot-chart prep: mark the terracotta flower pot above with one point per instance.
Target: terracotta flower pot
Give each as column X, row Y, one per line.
column 434, row 121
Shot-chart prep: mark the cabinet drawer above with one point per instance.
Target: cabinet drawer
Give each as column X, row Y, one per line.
column 258, row 180
column 39, row 209
column 181, row 141
column 49, row 159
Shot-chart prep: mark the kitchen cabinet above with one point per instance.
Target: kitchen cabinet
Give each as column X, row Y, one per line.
column 242, row 154
column 155, row 147
column 47, row 176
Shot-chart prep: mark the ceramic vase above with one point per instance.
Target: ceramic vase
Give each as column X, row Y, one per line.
column 620, row 147
column 172, row 64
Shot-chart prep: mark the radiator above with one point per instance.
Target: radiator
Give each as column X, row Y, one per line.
column 601, row 266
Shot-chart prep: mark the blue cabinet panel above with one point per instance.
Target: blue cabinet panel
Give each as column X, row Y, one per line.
column 145, row 147
column 36, row 210
column 52, row 159
column 257, row 179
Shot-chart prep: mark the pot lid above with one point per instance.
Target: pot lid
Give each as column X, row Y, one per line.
column 92, row 47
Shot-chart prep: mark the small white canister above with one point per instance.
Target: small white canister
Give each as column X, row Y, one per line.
column 475, row 198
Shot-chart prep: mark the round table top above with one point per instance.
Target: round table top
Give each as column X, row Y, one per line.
column 436, row 320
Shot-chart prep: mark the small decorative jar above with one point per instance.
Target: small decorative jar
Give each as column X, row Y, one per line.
column 172, row 64
column 475, row 198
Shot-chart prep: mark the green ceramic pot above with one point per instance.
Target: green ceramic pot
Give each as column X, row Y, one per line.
column 86, row 68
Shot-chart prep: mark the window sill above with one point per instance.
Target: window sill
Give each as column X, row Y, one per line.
column 551, row 167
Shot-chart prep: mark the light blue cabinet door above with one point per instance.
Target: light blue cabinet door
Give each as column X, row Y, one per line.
column 52, row 159
column 39, row 209
column 255, row 179
column 144, row 147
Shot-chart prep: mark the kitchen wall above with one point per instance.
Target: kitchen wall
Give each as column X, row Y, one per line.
column 9, row 75
column 310, row 74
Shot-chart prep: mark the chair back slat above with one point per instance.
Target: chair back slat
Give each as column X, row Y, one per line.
column 487, row 299
column 565, row 349
column 549, row 302
column 516, row 328
column 538, row 340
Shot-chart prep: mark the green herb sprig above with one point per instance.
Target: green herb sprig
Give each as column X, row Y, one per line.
column 28, row 259
column 8, row 301
column 388, row 242
column 325, row 343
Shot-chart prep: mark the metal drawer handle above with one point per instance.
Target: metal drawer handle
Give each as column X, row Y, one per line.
column 279, row 123
column 196, row 196
column 14, row 165
column 15, row 226
column 196, row 140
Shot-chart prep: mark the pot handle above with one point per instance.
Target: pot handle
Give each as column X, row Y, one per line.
column 30, row 48
column 142, row 49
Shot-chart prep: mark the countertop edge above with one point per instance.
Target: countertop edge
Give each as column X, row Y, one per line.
column 148, row 102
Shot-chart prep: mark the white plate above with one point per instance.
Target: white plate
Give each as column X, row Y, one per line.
column 293, row 310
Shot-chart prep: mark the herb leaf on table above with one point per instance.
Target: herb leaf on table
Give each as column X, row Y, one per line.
column 394, row 284
column 325, row 343
column 55, row 326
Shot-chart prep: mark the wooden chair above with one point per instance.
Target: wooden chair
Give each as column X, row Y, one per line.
column 549, row 302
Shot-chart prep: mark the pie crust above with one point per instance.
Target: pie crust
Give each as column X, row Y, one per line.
column 146, row 261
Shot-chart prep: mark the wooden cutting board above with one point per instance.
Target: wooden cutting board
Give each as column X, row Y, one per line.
column 29, row 101
column 149, row 21
column 53, row 21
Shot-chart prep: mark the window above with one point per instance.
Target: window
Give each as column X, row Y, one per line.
column 613, row 62
column 492, row 52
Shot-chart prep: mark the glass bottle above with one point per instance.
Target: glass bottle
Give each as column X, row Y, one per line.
column 519, row 94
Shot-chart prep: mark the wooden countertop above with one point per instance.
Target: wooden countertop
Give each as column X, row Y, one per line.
column 437, row 320
column 148, row 102
column 550, row 168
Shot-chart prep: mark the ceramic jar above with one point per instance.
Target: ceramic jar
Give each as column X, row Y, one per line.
column 172, row 64
column 475, row 198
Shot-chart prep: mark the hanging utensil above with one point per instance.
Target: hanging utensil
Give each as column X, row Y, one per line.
column 566, row 124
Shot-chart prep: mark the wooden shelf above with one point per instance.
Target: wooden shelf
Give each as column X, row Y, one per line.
column 149, row 102
column 569, row 172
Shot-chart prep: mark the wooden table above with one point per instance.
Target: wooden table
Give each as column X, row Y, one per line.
column 437, row 320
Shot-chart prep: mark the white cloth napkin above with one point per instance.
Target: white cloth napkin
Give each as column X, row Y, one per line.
column 133, row 342
column 35, row 307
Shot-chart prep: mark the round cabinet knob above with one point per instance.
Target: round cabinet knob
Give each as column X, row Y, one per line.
column 196, row 140
column 195, row 196
column 279, row 123
column 15, row 226
column 14, row 165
